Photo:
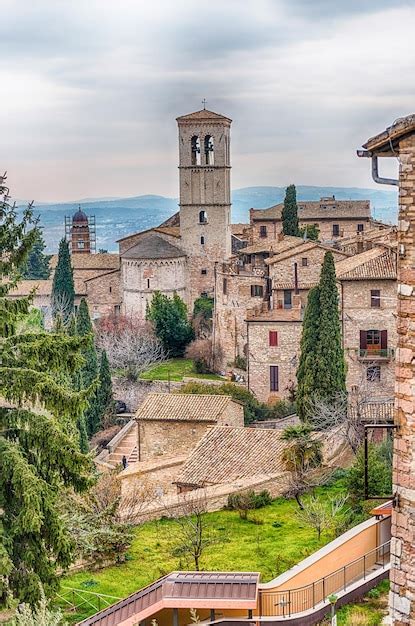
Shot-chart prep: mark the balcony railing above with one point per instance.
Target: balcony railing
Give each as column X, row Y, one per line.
column 376, row 354
column 292, row 601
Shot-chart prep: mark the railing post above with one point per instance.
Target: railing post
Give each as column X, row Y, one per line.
column 324, row 589
column 289, row 603
column 344, row 578
column 364, row 567
column 314, row 595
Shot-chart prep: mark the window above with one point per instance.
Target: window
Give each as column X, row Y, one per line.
column 373, row 373
column 195, row 145
column 304, row 261
column 202, row 241
column 263, row 231
column 273, row 338
column 373, row 341
column 148, row 283
column 375, row 298
column 110, row 289
column 273, row 378
column 360, row 228
column 202, row 217
column 203, row 272
column 288, row 299
column 81, row 244
column 209, row 153
column 257, row 291
column 336, row 230
column 117, row 309
column 225, row 286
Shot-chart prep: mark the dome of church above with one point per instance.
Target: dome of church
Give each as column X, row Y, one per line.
column 79, row 216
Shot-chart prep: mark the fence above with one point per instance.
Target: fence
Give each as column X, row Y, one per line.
column 82, row 600
column 292, row 601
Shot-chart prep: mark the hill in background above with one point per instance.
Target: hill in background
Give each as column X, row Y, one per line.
column 118, row 217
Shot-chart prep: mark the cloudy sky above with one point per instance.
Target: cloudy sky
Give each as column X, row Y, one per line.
column 91, row 89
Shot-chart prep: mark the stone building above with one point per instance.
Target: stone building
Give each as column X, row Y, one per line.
column 333, row 218
column 367, row 299
column 399, row 141
column 80, row 233
column 172, row 424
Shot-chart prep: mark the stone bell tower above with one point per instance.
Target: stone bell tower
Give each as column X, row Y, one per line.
column 205, row 196
column 398, row 141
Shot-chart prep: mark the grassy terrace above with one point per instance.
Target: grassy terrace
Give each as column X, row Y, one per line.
column 175, row 369
column 270, row 542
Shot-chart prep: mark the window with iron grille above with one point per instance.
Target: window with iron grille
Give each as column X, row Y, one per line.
column 273, row 378
column 262, row 231
column 336, row 230
column 360, row 228
column 304, row 261
column 373, row 373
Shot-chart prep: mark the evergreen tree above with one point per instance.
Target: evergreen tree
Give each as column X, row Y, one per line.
column 331, row 372
column 290, row 213
column 89, row 372
column 105, row 396
column 38, row 457
column 306, row 372
column 63, row 290
column 322, row 369
column 37, row 264
column 171, row 323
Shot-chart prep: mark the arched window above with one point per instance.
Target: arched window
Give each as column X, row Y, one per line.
column 209, row 152
column 202, row 217
column 202, row 240
column 195, row 150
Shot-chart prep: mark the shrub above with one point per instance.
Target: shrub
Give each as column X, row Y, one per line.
column 246, row 501
column 240, row 362
column 200, row 352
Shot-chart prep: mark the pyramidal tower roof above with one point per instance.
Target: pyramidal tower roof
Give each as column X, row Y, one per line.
column 203, row 115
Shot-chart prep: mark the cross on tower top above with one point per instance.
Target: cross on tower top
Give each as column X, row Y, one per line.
column 204, row 103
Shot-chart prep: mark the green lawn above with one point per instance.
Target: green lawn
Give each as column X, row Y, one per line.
column 175, row 369
column 369, row 612
column 270, row 543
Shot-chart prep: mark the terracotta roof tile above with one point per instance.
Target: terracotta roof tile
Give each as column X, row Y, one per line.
column 153, row 247
column 377, row 263
column 103, row 261
column 203, row 114
column 24, row 287
column 273, row 245
column 305, row 247
column 226, row 454
column 183, row 407
column 323, row 209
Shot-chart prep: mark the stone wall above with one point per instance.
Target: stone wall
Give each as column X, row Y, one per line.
column 157, row 437
column 104, row 294
column 402, row 596
column 140, row 278
column 309, row 263
column 347, row 228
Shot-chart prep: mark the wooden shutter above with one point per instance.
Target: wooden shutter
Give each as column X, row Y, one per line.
column 273, row 377
column 363, row 339
column 383, row 339
column 273, row 338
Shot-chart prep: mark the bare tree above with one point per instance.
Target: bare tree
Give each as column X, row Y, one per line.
column 130, row 344
column 60, row 310
column 195, row 533
column 321, row 513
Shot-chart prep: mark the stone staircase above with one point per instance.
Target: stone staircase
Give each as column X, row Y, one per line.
column 124, row 443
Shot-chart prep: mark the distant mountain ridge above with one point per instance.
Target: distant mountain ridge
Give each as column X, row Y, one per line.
column 118, row 217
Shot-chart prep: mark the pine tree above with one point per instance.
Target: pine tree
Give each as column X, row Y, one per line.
column 105, row 396
column 89, row 372
column 37, row 264
column 63, row 290
column 38, row 457
column 290, row 213
column 306, row 372
column 331, row 373
column 171, row 323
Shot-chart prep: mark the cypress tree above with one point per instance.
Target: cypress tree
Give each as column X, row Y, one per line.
column 38, row 456
column 331, row 373
column 63, row 289
column 89, row 372
column 306, row 372
column 105, row 397
column 289, row 214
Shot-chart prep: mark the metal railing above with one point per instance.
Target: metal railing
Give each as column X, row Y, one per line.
column 82, row 599
column 292, row 601
column 375, row 354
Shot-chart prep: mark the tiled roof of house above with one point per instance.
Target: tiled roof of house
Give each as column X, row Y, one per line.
column 372, row 234
column 25, row 287
column 153, row 247
column 326, row 208
column 204, row 114
column 173, row 220
column 300, row 249
column 183, row 407
column 173, row 231
column 377, row 263
column 274, row 245
column 401, row 127
column 238, row 229
column 104, row 261
column 227, row 454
